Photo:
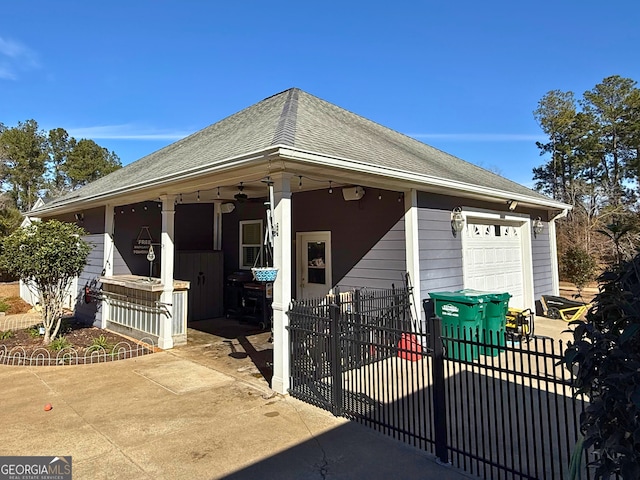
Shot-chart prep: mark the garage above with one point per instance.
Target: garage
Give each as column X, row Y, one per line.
column 493, row 259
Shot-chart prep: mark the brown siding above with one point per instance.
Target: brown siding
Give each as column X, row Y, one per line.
column 194, row 227
column 357, row 232
column 92, row 219
column 128, row 223
column 253, row 209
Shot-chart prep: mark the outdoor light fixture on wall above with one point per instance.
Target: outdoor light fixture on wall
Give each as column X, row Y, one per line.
column 457, row 221
column 227, row 207
column 538, row 226
column 353, row 193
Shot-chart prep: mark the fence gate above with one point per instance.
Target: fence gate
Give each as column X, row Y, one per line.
column 360, row 355
column 501, row 408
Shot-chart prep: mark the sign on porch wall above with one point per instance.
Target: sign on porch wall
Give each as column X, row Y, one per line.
column 142, row 243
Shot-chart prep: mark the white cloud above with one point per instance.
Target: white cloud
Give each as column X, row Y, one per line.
column 9, row 48
column 15, row 57
column 125, row 132
column 6, row 73
column 480, row 137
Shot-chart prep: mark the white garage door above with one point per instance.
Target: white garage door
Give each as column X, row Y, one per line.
column 493, row 260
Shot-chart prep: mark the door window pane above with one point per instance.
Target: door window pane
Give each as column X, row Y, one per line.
column 316, row 267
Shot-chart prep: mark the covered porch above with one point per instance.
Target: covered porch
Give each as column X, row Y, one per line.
column 196, row 235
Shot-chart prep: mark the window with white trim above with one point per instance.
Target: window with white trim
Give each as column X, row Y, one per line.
column 250, row 242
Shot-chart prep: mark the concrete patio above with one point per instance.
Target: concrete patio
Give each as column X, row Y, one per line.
column 189, row 414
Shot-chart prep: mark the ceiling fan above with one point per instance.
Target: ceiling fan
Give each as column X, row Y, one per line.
column 240, row 196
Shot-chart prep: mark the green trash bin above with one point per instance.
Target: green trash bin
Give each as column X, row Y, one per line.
column 492, row 328
column 462, row 317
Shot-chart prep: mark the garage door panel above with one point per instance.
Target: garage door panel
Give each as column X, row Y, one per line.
column 493, row 260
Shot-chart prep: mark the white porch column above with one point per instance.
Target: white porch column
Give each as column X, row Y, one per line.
column 282, row 285
column 412, row 241
column 107, row 256
column 165, row 339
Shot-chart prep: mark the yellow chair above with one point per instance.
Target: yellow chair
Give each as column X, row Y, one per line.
column 563, row 308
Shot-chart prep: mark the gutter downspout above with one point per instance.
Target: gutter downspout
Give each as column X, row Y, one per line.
column 553, row 246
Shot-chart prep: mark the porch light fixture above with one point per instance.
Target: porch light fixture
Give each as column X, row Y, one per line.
column 330, row 186
column 457, row 221
column 353, row 193
column 227, row 207
column 538, row 226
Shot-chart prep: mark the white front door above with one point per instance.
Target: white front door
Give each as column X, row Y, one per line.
column 313, row 264
column 493, row 260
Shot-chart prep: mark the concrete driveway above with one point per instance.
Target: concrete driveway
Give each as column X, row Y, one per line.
column 186, row 414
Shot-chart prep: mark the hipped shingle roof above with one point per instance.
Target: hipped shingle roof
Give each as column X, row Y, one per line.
column 297, row 120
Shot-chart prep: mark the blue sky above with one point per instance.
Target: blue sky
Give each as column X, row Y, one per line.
column 463, row 76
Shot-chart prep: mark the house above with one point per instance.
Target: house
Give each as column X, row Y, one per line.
column 28, row 219
column 355, row 205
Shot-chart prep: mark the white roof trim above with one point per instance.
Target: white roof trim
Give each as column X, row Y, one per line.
column 311, row 157
column 286, row 152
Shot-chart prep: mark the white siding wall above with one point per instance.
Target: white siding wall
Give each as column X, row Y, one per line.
column 31, row 296
column 440, row 253
column 542, row 266
column 119, row 265
column 89, row 276
column 383, row 265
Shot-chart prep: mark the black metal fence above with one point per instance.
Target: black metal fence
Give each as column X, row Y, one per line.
column 497, row 409
column 344, row 332
column 509, row 413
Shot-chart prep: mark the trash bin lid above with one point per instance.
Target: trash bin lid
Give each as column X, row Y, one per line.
column 457, row 297
column 488, row 296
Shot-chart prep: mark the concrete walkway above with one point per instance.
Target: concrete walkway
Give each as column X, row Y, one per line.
column 173, row 415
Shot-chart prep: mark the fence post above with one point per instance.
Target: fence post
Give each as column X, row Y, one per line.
column 335, row 358
column 439, row 386
column 359, row 333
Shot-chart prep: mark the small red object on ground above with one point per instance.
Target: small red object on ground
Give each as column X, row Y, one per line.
column 409, row 348
column 48, row 407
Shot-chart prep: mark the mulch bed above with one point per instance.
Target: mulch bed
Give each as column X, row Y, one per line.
column 82, row 340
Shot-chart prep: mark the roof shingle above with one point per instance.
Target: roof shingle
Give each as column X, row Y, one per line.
column 302, row 121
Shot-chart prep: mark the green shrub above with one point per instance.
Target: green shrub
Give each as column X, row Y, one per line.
column 605, row 356
column 47, row 256
column 578, row 267
column 6, row 335
column 4, row 306
column 34, row 331
column 100, row 343
column 59, row 343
